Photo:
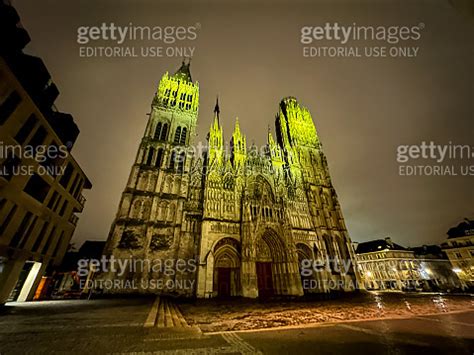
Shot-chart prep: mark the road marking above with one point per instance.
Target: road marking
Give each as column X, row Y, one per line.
column 239, row 344
column 151, row 319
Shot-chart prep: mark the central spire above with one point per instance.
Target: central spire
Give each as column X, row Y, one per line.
column 217, row 110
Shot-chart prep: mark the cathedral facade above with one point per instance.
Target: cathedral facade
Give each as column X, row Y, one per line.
column 241, row 221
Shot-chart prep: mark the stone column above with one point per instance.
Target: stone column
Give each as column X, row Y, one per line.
column 249, row 279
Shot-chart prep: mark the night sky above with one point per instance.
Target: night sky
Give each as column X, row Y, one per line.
column 249, row 53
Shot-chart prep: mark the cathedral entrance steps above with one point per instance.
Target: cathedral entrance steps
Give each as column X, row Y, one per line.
column 165, row 314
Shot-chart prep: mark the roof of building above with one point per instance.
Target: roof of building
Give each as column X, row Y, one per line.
column 183, row 72
column 462, row 229
column 377, row 245
column 429, row 251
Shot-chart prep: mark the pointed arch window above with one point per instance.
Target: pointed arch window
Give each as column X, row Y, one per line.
column 172, row 160
column 189, row 101
column 164, row 132
column 159, row 158
column 175, row 94
column 177, row 135
column 182, row 98
column 149, row 159
column 158, row 130
column 181, row 160
column 182, row 140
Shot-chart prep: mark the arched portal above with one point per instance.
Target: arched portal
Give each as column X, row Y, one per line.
column 271, row 265
column 305, row 260
column 226, row 268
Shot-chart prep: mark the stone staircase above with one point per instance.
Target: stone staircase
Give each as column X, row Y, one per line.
column 166, row 314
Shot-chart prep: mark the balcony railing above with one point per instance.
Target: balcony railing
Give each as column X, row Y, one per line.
column 73, row 219
column 82, row 200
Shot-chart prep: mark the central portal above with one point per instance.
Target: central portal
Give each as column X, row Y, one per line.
column 270, row 265
column 265, row 279
column 224, row 281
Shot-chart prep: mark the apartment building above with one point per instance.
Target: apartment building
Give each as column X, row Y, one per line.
column 41, row 183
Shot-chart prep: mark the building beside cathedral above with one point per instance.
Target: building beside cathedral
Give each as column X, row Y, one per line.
column 228, row 222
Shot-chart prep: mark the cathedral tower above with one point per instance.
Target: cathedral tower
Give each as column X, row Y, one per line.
column 148, row 225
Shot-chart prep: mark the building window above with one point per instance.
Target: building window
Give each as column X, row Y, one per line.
column 177, row 135
column 164, row 132
column 9, row 106
column 63, row 209
column 58, row 244
column 9, row 166
column 181, row 160
column 189, row 101
column 37, row 188
column 67, row 175
column 182, row 98
column 38, row 138
column 48, row 241
column 26, row 129
column 20, row 233
column 28, row 232
column 159, row 158
column 149, row 159
column 40, row 237
column 52, row 162
column 172, row 160
column 173, row 101
column 7, row 219
column 73, row 186
column 182, row 140
column 77, row 190
column 158, row 130
column 57, row 203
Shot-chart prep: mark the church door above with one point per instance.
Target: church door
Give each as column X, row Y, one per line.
column 264, row 279
column 223, row 281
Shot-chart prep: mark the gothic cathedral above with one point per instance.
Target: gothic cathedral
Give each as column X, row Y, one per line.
column 241, row 221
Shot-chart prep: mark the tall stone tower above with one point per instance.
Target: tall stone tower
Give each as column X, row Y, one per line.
column 312, row 191
column 148, row 225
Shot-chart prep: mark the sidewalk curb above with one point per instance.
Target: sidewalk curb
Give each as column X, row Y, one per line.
column 333, row 323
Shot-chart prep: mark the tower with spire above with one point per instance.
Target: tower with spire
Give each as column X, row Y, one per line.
column 151, row 222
